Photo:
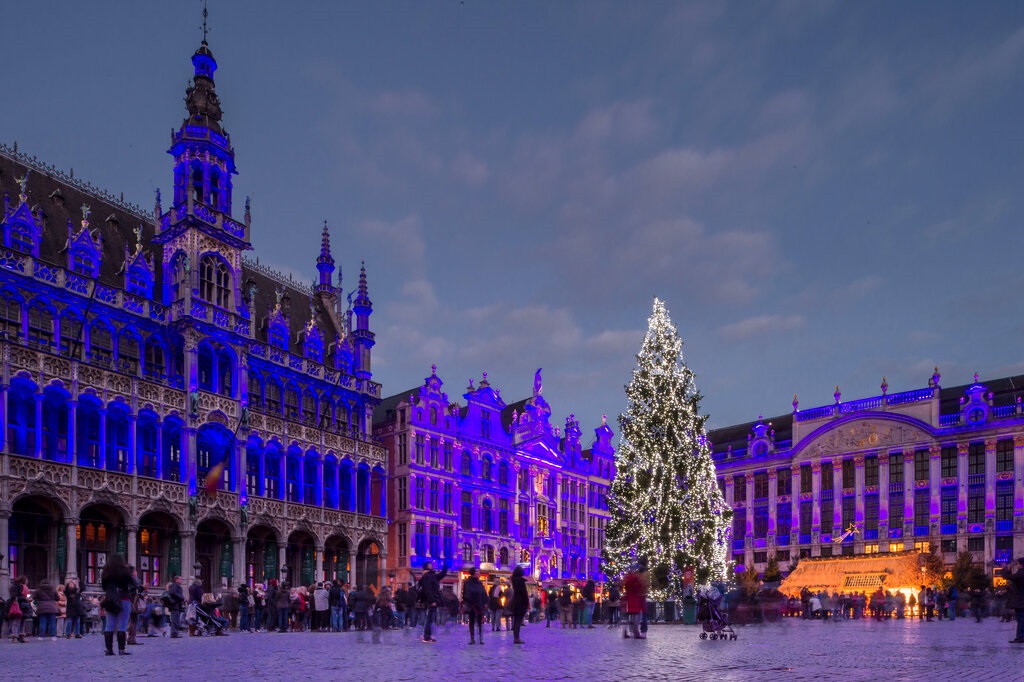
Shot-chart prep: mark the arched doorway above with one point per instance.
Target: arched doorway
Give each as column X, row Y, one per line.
column 337, row 559
column 214, row 554
column 300, row 558
column 34, row 540
column 261, row 555
column 368, row 564
column 158, row 549
column 101, row 534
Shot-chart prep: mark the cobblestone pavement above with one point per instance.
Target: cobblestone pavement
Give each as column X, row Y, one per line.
column 790, row 650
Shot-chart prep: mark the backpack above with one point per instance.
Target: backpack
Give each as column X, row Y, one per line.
column 613, row 593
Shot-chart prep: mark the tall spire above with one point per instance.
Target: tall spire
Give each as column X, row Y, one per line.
column 325, row 264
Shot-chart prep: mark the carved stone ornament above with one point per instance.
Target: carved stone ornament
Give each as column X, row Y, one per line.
column 866, row 434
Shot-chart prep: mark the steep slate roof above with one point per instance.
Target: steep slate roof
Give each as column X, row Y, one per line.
column 299, row 297
column 43, row 181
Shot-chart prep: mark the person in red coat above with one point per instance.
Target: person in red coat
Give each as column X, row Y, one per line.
column 635, row 585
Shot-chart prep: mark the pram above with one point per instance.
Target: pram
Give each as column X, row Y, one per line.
column 714, row 622
column 205, row 623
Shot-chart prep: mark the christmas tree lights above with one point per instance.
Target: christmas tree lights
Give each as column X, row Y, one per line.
column 665, row 501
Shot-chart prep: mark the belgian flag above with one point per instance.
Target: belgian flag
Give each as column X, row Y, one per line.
column 212, row 482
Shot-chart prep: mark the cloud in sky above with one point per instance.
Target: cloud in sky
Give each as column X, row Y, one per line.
column 832, row 181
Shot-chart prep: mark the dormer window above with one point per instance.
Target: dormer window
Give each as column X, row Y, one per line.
column 21, row 238
column 83, row 261
column 279, row 334
column 138, row 282
column 215, row 281
column 314, row 345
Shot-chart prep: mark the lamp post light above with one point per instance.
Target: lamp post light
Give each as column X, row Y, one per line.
column 197, row 568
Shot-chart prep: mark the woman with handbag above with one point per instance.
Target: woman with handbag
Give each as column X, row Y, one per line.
column 117, row 586
column 19, row 607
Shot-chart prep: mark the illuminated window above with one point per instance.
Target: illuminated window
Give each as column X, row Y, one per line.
column 215, row 281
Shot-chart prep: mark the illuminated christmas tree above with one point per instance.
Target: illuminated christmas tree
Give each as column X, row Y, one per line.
column 665, row 501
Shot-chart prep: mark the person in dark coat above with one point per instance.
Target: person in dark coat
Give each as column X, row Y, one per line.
column 45, row 598
column 1015, row 596
column 430, row 589
column 474, row 600
column 175, row 602
column 75, row 610
column 118, row 585
column 520, row 602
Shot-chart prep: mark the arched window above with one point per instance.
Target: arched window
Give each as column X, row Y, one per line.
column 273, row 397
column 485, row 468
column 128, row 354
column 205, row 356
column 154, row 361
column 197, row 183
column 485, row 517
column 40, row 326
column 308, row 408
column 179, row 276
column 433, row 416
column 215, row 188
column 10, row 317
column 226, row 372
column 255, row 391
column 101, row 345
column 291, row 403
column 489, row 554
column 279, row 333
column 215, row 281
column 467, row 553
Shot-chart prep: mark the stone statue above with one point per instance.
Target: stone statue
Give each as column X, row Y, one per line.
column 193, row 397
column 244, row 516
column 538, row 385
column 193, row 506
column 23, row 184
column 86, row 212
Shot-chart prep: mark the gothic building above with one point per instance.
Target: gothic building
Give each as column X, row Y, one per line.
column 165, row 398
column 492, row 485
column 933, row 467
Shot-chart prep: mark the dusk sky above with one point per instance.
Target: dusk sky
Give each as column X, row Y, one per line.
column 822, row 193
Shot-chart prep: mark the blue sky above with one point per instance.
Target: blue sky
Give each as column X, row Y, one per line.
column 822, row 193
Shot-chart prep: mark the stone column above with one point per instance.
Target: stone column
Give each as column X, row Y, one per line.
column 749, row 477
column 133, row 549
column 730, row 491
column 185, row 439
column 353, row 501
column 319, row 551
column 858, row 489
column 160, row 450
column 133, row 454
column 282, row 557
column 238, row 568
column 3, row 437
column 837, row 496
column 366, row 493
column 794, row 500
column 301, row 482
column 188, row 555
column 883, row 502
column 909, row 487
column 38, row 449
column 103, row 437
column 73, row 432
column 241, row 482
column 815, row 501
column 935, row 488
column 5, row 517
column 72, row 546
column 1018, row 496
column 188, row 458
column 383, row 511
column 961, row 497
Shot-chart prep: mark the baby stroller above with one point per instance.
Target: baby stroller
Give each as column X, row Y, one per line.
column 204, row 622
column 714, row 622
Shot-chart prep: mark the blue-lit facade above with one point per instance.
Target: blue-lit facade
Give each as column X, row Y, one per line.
column 166, row 398
column 934, row 466
column 491, row 485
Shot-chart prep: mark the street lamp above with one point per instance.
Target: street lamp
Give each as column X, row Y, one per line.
column 197, row 568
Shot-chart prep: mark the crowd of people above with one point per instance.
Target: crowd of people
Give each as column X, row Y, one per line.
column 126, row 609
